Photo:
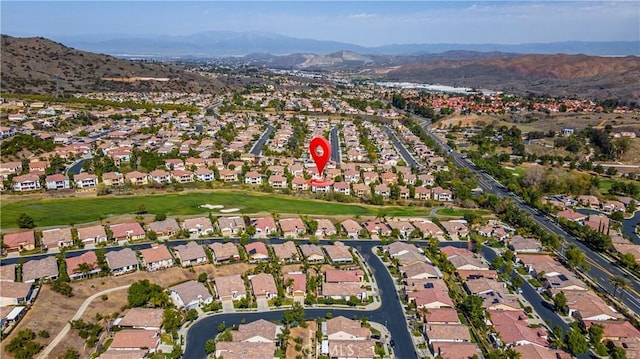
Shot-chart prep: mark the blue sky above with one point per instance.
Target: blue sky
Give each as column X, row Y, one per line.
column 367, row 23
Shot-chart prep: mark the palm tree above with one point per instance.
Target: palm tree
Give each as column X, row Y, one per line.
column 85, row 268
column 619, row 283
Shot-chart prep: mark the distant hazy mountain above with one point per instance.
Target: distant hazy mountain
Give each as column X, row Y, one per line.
column 226, row 43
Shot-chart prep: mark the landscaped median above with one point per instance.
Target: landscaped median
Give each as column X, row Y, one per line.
column 64, row 211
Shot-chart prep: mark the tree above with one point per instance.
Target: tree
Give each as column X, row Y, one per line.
column 70, row 354
column 618, row 283
column 596, row 332
column 576, row 342
column 25, row 221
column 142, row 292
column 171, row 319
column 560, row 302
column 471, row 306
column 617, row 353
column 210, row 346
column 191, row 315
column 202, row 277
column 558, row 337
column 516, row 281
column 293, row 315
column 575, row 256
column 628, row 260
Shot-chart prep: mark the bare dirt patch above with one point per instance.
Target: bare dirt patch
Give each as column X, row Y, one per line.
column 52, row 311
column 307, row 335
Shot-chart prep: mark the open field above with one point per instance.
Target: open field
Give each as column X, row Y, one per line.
column 539, row 121
column 460, row 212
column 65, row 211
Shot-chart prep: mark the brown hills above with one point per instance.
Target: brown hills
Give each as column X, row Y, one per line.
column 31, row 65
column 557, row 75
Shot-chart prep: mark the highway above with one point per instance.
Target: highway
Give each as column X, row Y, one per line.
column 257, row 147
column 404, row 153
column 601, row 269
column 336, row 156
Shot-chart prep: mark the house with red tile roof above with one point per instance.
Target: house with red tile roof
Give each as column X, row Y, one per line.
column 57, row 237
column 338, row 253
column 85, row 180
column 245, row 350
column 130, row 339
column 28, row 182
column 430, row 298
column 440, row 316
column 230, row 287
column 190, row 254
column 343, row 276
column 259, row 331
column 198, row 226
column 19, row 241
column 286, row 252
column 448, row 333
column 351, row 228
column 298, row 286
column 377, row 228
column 142, row 318
column 265, row 226
column 257, row 252
column 92, row 234
column 130, row 231
column 325, row 228
column 513, row 329
column 157, row 257
column 263, row 286
column 571, row 216
column 57, row 181
column 456, row 350
column 292, row 227
column 75, row 265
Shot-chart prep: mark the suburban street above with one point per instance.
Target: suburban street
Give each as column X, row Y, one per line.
column 404, row 153
column 257, row 147
column 600, row 270
column 336, row 156
column 535, row 300
column 388, row 314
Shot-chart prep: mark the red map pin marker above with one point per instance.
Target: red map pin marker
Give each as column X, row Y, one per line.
column 320, row 159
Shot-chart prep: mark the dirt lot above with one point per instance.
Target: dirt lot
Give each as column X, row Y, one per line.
column 544, row 122
column 51, row 310
column 308, row 335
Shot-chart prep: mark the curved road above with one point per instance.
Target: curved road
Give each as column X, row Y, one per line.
column 390, row 313
column 47, row 350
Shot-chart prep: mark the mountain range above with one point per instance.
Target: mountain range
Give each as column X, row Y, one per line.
column 227, row 43
column 38, row 65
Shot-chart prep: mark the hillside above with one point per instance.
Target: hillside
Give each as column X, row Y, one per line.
column 31, row 65
column 557, row 75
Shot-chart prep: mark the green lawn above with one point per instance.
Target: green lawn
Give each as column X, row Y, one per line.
column 604, row 184
column 65, row 211
column 458, row 212
column 515, row 171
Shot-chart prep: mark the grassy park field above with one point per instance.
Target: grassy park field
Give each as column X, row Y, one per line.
column 66, row 211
